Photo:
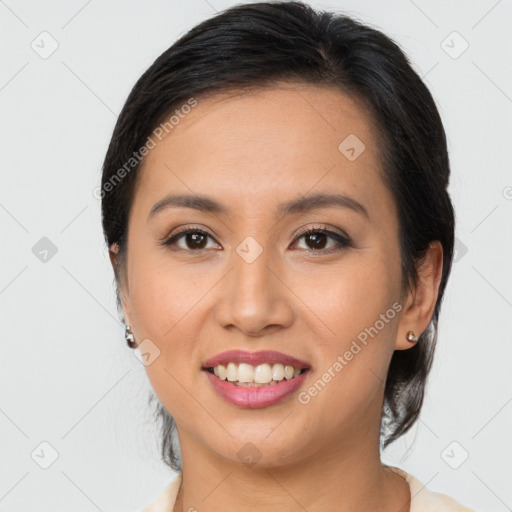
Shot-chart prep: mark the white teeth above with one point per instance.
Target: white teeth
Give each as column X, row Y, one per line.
column 220, row 371
column 288, row 372
column 232, row 372
column 263, row 374
column 245, row 373
column 278, row 372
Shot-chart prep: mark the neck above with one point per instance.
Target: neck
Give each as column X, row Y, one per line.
column 350, row 478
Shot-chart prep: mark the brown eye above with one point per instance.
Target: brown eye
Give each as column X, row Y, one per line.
column 195, row 240
column 316, row 240
column 191, row 239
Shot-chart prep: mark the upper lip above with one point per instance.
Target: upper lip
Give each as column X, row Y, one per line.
column 254, row 359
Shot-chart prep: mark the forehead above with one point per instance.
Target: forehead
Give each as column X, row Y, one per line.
column 265, row 145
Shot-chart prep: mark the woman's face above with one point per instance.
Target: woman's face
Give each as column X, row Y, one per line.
column 255, row 282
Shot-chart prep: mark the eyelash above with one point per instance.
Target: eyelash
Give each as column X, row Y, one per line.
column 343, row 241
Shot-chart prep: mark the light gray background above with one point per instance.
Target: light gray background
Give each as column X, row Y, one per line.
column 66, row 375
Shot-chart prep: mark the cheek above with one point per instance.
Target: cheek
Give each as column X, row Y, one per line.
column 351, row 310
column 170, row 308
column 163, row 295
column 348, row 297
column 355, row 341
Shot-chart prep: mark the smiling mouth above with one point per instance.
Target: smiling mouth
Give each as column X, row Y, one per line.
column 263, row 375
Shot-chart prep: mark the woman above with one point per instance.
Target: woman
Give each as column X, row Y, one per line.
column 274, row 199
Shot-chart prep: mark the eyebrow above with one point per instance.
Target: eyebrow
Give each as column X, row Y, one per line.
column 301, row 205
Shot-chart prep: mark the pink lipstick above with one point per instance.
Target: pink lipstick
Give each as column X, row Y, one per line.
column 256, row 396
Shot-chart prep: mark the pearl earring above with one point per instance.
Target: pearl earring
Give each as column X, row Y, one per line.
column 130, row 338
column 410, row 336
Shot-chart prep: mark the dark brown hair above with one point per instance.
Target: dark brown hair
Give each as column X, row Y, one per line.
column 257, row 45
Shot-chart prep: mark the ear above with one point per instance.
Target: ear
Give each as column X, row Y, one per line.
column 113, row 253
column 421, row 302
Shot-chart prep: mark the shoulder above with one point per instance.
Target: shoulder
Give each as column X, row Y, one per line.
column 165, row 501
column 425, row 500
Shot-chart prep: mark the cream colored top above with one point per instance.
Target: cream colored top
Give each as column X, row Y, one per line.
column 422, row 500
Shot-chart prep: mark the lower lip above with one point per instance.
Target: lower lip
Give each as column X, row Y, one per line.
column 255, row 397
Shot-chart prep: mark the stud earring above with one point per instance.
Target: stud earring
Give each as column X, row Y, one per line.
column 410, row 336
column 130, row 338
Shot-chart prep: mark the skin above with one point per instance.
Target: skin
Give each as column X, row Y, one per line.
column 251, row 152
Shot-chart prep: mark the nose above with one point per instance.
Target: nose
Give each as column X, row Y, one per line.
column 254, row 298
